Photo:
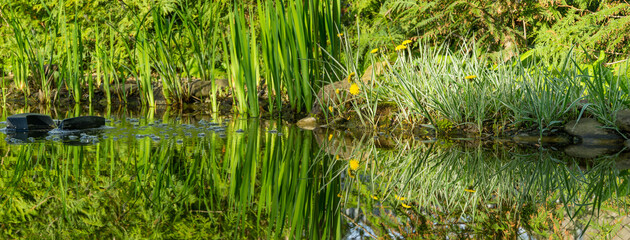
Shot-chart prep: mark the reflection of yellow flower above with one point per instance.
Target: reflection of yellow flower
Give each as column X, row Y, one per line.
column 340, row 35
column 406, row 42
column 399, row 198
column 330, row 137
column 330, row 108
column 374, row 50
column 337, row 91
column 469, row 77
column 405, row 205
column 354, row 89
column 469, row 190
column 400, row 47
column 354, row 164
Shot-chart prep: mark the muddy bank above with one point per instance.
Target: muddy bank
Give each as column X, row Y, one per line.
column 127, row 95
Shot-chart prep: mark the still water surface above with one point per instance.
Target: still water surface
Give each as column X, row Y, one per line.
column 171, row 175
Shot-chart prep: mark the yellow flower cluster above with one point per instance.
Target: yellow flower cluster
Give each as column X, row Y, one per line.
column 399, row 198
column 354, row 89
column 402, row 199
column 340, row 35
column 401, row 47
column 354, row 164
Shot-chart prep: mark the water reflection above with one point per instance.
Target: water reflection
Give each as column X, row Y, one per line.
column 154, row 175
column 165, row 174
column 449, row 190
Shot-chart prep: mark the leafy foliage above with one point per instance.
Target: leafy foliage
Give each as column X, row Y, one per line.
column 496, row 26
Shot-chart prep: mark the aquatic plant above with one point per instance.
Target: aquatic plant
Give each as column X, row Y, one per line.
column 201, row 24
column 244, row 70
column 293, row 34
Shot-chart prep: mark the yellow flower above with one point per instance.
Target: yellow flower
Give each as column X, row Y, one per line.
column 354, row 164
column 405, row 205
column 350, row 76
column 400, row 47
column 330, row 137
column 354, row 89
column 374, row 197
column 330, row 108
column 469, row 77
column 337, row 157
column 374, row 50
column 399, row 198
column 469, row 190
column 406, row 42
column 340, row 35
column 337, row 91
column 338, row 194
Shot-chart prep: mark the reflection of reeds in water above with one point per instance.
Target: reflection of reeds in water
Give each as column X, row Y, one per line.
column 497, row 192
column 253, row 184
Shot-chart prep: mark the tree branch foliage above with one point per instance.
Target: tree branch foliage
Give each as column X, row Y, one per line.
column 552, row 27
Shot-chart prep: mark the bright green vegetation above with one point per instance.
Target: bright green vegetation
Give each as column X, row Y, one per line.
column 481, row 66
column 436, row 189
column 476, row 95
column 172, row 44
column 287, row 50
column 500, row 28
column 301, row 184
column 249, row 185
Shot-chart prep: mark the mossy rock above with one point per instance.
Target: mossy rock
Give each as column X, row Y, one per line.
column 623, row 120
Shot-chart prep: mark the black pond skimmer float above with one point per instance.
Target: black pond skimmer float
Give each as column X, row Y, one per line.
column 33, row 125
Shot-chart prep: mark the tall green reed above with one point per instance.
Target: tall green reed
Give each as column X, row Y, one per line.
column 102, row 65
column 244, row 69
column 73, row 68
column 143, row 71
column 20, row 73
column 169, row 57
column 293, row 35
column 201, row 26
column 34, row 55
column 4, row 89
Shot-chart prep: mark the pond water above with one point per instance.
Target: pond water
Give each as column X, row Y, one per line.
column 170, row 175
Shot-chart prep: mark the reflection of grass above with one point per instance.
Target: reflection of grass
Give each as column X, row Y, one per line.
column 250, row 185
column 492, row 192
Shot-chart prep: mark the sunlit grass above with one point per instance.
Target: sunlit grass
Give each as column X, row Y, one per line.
column 439, row 84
